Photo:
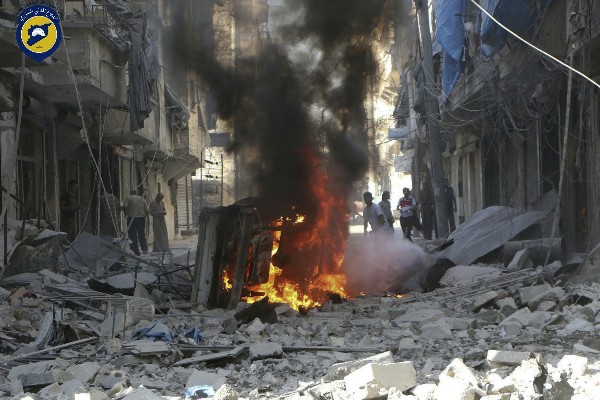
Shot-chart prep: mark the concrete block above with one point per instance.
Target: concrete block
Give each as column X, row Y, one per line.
column 572, row 365
column 522, row 317
column 510, row 329
column 529, row 293
column 539, row 319
column 340, row 370
column 85, row 372
column 71, row 387
column 390, row 375
column 437, row 330
column 507, row 306
column 488, row 317
column 259, row 351
column 554, row 295
column 547, row 305
column 460, row 323
column 498, row 358
column 484, row 300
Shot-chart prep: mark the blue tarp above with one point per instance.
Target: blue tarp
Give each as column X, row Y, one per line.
column 450, row 35
column 516, row 15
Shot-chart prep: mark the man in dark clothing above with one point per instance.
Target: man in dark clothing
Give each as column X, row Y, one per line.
column 136, row 209
column 450, row 203
column 68, row 210
column 427, row 208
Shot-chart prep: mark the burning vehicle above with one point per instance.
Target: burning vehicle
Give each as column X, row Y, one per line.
column 256, row 248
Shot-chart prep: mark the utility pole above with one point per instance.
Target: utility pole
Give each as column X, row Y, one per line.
column 433, row 125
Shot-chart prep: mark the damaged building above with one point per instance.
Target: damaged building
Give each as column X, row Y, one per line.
column 263, row 122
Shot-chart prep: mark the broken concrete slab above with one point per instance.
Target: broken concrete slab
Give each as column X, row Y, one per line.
column 528, row 293
column 507, row 306
column 202, row 378
column 421, row 316
column 259, row 351
column 484, row 300
column 401, row 376
column 340, row 370
column 520, row 261
column 498, row 358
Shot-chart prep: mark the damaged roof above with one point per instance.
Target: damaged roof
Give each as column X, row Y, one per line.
column 487, row 230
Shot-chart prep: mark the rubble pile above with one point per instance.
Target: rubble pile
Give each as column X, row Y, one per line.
column 522, row 341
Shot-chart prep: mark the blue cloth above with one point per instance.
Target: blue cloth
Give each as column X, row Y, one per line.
column 156, row 331
column 516, row 15
column 450, row 35
column 192, row 333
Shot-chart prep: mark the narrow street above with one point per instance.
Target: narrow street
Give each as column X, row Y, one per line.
column 299, row 200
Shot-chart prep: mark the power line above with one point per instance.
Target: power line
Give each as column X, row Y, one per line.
column 536, row 48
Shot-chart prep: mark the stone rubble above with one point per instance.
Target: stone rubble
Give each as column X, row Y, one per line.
column 533, row 342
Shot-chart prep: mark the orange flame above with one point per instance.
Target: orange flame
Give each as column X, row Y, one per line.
column 226, row 282
column 328, row 234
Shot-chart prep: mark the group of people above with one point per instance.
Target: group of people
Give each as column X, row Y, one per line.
column 136, row 210
column 381, row 218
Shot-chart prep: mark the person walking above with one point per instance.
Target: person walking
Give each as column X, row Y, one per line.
column 373, row 215
column 136, row 209
column 69, row 207
column 386, row 207
column 407, row 206
column 159, row 225
column 450, row 203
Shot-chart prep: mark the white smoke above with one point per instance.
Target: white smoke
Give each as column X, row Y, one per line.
column 378, row 263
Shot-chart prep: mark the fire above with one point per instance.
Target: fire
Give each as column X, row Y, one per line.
column 324, row 243
column 226, row 283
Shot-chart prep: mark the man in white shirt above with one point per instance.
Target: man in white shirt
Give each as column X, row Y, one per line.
column 373, row 214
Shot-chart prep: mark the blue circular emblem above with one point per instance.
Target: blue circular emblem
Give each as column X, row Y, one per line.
column 38, row 32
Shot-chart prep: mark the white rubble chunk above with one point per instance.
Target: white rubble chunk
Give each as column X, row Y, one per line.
column 573, row 365
column 529, row 293
column 201, row 378
column 498, row 358
column 71, row 387
column 395, row 394
column 340, row 370
column 454, row 389
column 400, row 375
column 85, row 372
column 424, row 391
column 460, row 323
column 225, row 392
column 577, row 325
column 458, row 370
column 262, row 350
column 524, row 377
column 540, row 318
column 505, row 396
column 255, row 327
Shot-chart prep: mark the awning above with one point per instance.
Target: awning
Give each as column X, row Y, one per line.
column 176, row 168
column 125, row 138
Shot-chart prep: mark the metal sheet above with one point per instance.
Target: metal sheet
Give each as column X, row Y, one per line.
column 487, row 230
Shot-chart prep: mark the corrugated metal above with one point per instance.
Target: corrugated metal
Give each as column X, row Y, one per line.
column 487, row 230
column 184, row 203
